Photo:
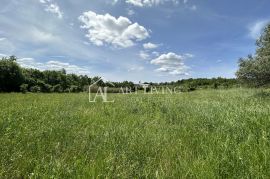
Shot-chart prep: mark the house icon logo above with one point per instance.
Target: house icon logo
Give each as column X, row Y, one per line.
column 96, row 91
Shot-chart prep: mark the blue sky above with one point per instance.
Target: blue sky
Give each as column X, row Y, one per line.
column 135, row 40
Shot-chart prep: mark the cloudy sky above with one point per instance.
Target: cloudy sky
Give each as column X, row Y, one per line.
column 136, row 40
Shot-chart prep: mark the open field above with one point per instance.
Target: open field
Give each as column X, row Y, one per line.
column 203, row 134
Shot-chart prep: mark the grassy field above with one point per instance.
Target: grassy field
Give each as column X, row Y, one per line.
column 203, row 134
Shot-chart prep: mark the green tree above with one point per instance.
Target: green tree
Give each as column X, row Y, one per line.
column 11, row 76
column 255, row 70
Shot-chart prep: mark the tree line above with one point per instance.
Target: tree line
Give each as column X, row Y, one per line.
column 204, row 83
column 14, row 78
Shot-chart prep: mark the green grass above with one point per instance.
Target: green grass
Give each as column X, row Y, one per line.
column 203, row 134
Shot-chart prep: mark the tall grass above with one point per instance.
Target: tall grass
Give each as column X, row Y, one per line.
column 203, row 134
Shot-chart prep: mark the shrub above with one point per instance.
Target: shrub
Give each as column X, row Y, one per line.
column 147, row 90
column 24, row 88
column 35, row 89
column 57, row 88
column 67, row 90
column 215, row 85
column 46, row 88
column 191, row 89
column 74, row 89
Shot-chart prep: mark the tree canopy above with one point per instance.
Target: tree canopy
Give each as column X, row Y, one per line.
column 11, row 76
column 255, row 70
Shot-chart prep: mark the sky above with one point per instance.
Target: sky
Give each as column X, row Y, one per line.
column 134, row 40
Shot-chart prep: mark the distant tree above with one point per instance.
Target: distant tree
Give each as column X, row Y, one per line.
column 28, row 77
column 84, row 81
column 13, row 58
column 63, row 71
column 11, row 76
column 98, row 81
column 255, row 70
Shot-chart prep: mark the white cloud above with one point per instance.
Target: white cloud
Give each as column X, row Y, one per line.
column 52, row 7
column 114, row 2
column 52, row 65
column 130, row 12
column 3, row 55
column 190, row 7
column 2, row 39
column 44, row 1
column 41, row 36
column 149, row 3
column 188, row 55
column 172, row 63
column 150, row 46
column 106, row 29
column 31, row 63
column 136, row 68
column 144, row 55
column 256, row 29
column 219, row 61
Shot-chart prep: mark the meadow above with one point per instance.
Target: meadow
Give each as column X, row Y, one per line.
column 201, row 134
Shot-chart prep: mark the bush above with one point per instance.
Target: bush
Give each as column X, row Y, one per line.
column 191, row 89
column 57, row 89
column 74, row 89
column 46, row 88
column 114, row 90
column 67, row 90
column 148, row 89
column 24, row 88
column 215, row 85
column 35, row 89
